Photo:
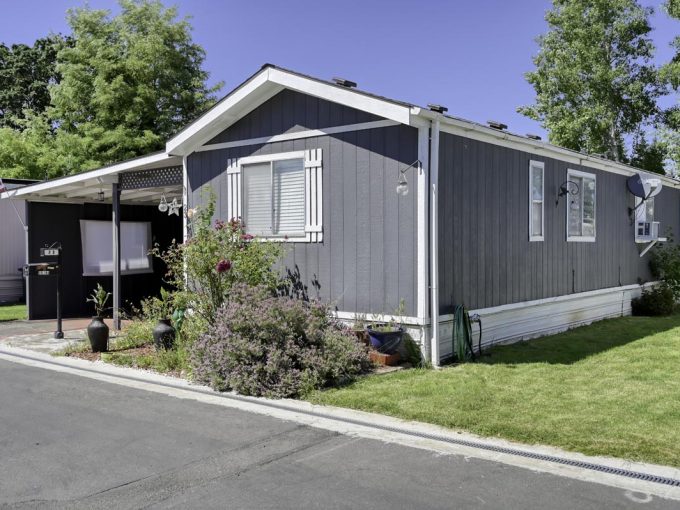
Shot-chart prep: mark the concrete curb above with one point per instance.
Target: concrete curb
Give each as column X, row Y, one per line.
column 334, row 419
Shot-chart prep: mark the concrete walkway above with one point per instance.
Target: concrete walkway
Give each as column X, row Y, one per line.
column 39, row 335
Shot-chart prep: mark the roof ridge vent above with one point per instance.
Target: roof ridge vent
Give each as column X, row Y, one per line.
column 497, row 125
column 437, row 108
column 345, row 83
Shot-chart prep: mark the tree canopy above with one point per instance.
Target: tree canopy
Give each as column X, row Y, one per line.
column 595, row 81
column 126, row 84
column 26, row 72
column 670, row 74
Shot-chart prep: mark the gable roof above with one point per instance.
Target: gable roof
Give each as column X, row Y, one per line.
column 265, row 84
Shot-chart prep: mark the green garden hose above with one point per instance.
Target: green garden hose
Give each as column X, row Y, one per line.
column 462, row 335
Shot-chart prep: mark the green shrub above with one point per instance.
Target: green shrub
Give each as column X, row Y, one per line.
column 659, row 300
column 136, row 333
column 664, row 264
column 216, row 257
column 275, row 346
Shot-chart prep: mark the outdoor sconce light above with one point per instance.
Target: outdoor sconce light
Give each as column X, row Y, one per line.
column 402, row 185
column 163, row 205
column 100, row 195
column 567, row 188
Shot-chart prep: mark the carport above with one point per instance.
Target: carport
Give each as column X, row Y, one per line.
column 126, row 194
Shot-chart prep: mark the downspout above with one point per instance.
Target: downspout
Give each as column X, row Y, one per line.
column 434, row 241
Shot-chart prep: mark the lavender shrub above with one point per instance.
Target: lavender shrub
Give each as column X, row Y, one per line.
column 273, row 346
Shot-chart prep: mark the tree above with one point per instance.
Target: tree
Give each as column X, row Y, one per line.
column 670, row 74
column 128, row 83
column 25, row 74
column 594, row 79
column 648, row 156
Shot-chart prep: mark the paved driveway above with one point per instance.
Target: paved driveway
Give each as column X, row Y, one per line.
column 72, row 442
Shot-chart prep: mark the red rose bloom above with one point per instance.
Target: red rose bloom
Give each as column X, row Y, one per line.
column 223, row 266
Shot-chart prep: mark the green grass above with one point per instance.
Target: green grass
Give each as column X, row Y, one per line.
column 612, row 388
column 12, row 312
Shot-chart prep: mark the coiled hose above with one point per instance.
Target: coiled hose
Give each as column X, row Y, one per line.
column 462, row 334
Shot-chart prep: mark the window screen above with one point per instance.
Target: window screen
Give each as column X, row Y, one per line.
column 97, row 247
column 274, row 194
column 536, row 200
column 581, row 207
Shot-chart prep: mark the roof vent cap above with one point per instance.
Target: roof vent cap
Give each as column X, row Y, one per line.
column 496, row 125
column 533, row 136
column 437, row 108
column 345, row 83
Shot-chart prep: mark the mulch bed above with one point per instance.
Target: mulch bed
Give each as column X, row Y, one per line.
column 96, row 356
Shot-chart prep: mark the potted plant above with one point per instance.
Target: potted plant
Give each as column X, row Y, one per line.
column 164, row 333
column 386, row 337
column 98, row 331
column 359, row 328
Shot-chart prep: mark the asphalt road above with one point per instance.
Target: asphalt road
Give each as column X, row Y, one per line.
column 72, row 442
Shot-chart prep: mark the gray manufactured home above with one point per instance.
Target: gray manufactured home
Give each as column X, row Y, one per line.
column 381, row 202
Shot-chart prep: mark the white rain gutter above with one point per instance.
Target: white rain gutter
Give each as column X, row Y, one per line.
column 434, row 240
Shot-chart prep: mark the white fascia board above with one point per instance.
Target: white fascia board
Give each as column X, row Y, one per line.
column 345, row 96
column 219, row 117
column 483, row 134
column 101, row 176
column 264, row 86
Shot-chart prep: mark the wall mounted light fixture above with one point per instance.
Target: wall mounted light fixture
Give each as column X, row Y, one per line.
column 402, row 184
column 163, row 205
column 567, row 188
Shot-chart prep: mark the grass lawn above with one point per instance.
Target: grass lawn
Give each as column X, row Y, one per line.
column 12, row 312
column 612, row 388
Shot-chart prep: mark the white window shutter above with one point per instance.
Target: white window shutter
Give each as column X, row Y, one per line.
column 314, row 195
column 233, row 189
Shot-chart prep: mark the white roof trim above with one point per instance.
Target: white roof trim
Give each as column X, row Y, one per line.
column 539, row 148
column 263, row 86
column 100, row 177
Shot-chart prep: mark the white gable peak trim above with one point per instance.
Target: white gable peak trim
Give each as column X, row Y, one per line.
column 265, row 85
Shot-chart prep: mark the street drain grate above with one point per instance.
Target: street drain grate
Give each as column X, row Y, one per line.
column 637, row 475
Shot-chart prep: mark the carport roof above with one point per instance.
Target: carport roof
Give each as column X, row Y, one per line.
column 86, row 186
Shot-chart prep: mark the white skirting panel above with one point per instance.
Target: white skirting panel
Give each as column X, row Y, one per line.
column 531, row 319
column 11, row 289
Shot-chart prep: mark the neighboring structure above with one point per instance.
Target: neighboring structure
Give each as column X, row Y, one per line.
column 12, row 244
column 533, row 237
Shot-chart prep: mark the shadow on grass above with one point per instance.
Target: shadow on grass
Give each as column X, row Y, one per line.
column 580, row 343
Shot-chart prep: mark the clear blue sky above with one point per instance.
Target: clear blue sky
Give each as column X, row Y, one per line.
column 469, row 55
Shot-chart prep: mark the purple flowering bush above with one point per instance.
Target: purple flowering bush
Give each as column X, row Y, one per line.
column 275, row 346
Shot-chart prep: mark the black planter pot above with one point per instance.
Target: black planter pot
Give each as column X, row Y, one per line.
column 164, row 334
column 386, row 342
column 98, row 333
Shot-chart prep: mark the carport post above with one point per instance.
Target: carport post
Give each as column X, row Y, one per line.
column 115, row 194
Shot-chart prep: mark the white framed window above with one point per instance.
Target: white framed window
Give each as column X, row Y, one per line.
column 278, row 196
column 581, row 207
column 536, row 200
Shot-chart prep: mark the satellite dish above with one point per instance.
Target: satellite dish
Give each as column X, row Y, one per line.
column 643, row 188
column 636, row 185
column 656, row 186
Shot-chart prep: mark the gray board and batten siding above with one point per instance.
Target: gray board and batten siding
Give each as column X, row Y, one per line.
column 367, row 260
column 485, row 256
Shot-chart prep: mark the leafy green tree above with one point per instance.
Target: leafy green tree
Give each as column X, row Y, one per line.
column 594, row 79
column 648, row 156
column 25, row 74
column 670, row 74
column 128, row 83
